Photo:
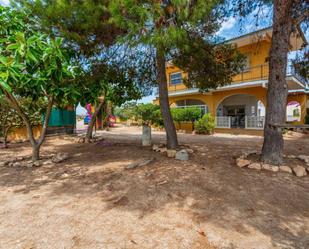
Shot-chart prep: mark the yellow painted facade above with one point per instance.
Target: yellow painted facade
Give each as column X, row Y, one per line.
column 253, row 82
column 20, row 134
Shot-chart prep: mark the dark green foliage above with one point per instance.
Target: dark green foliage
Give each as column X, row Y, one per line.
column 190, row 114
column 147, row 113
column 125, row 112
column 208, row 65
column 84, row 24
column 107, row 81
column 301, row 65
column 205, row 125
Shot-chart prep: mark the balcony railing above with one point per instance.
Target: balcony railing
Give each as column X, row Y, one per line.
column 250, row 122
column 255, row 73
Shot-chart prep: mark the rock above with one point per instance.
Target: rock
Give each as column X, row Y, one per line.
column 155, row 147
column 291, row 156
column 140, row 164
column 270, row 167
column 171, row 153
column 300, row 171
column 256, row 166
column 30, row 164
column 182, row 155
column 285, row 169
column 60, row 157
column 47, row 162
column 79, row 140
column 304, row 158
column 190, row 151
column 3, row 164
column 24, row 164
column 64, row 176
column 16, row 164
column 242, row 162
column 162, row 150
column 37, row 163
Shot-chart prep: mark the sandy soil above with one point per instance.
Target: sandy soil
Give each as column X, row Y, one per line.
column 92, row 201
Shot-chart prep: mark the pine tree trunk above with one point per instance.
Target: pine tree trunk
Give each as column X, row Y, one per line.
column 169, row 125
column 92, row 122
column 272, row 151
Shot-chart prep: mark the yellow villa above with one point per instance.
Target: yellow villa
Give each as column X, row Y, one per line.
column 240, row 106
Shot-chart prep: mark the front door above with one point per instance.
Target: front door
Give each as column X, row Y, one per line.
column 237, row 114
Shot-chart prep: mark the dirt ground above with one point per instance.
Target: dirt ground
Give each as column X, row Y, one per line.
column 92, row 201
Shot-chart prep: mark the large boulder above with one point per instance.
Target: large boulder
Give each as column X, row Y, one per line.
column 242, row 162
column 182, row 155
column 300, row 171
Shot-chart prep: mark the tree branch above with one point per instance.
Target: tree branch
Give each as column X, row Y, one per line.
column 46, row 120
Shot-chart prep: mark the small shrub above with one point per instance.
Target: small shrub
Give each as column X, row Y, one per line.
column 205, row 125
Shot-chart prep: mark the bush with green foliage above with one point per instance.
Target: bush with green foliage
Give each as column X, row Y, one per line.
column 205, row 125
column 147, row 113
column 190, row 114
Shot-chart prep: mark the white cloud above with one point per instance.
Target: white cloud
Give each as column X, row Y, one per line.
column 4, row 2
column 228, row 24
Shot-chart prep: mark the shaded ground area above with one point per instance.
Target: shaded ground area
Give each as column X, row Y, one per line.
column 92, row 201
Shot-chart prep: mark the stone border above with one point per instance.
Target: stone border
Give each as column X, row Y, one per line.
column 298, row 170
column 26, row 162
column 181, row 154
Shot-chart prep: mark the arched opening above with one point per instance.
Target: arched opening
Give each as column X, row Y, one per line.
column 293, row 111
column 187, row 103
column 241, row 111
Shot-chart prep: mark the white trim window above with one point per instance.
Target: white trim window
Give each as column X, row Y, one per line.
column 176, row 78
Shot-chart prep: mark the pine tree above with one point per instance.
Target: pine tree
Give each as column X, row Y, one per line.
column 288, row 15
column 165, row 26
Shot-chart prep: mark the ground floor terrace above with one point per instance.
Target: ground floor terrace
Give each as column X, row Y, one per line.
column 92, row 200
column 239, row 110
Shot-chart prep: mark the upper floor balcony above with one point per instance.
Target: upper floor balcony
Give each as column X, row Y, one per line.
column 253, row 74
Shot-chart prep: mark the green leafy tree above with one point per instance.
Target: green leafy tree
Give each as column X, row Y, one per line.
column 104, row 84
column 32, row 65
column 168, row 27
column 9, row 118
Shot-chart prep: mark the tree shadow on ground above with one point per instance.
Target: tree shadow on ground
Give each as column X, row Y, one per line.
column 209, row 188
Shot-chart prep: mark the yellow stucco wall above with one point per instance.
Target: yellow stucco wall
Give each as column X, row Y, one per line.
column 257, row 54
column 214, row 99
column 21, row 133
column 301, row 98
